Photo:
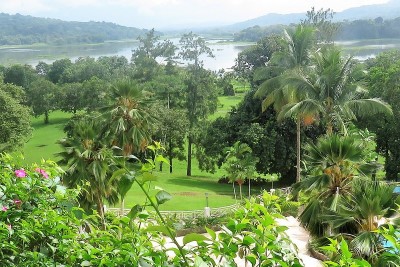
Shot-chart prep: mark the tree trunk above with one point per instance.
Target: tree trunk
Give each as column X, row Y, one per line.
column 100, row 211
column 249, row 187
column 170, row 154
column 189, row 157
column 240, row 191
column 298, row 149
column 46, row 117
column 234, row 190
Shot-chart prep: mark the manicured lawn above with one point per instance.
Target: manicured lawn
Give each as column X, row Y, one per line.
column 225, row 105
column 43, row 145
column 188, row 192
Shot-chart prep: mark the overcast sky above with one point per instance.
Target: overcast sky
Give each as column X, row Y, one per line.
column 161, row 14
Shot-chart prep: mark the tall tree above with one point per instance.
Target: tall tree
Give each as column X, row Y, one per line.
column 296, row 55
column 383, row 81
column 15, row 126
column 331, row 91
column 149, row 51
column 201, row 96
column 41, row 96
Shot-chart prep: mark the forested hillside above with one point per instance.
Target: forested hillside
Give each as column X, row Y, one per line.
column 377, row 28
column 19, row 29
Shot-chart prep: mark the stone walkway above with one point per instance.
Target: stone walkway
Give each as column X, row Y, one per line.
column 300, row 238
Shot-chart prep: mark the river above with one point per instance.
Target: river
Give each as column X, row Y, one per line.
column 225, row 52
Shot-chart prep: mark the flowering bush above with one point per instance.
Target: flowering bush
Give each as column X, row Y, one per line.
column 41, row 224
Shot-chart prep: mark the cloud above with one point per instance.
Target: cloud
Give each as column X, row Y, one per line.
column 23, row 6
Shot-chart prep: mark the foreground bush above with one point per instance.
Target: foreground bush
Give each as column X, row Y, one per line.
column 42, row 225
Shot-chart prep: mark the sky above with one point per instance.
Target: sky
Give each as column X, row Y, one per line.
column 163, row 14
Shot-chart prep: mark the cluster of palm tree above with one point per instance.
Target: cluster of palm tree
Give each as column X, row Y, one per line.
column 92, row 151
column 240, row 164
column 317, row 84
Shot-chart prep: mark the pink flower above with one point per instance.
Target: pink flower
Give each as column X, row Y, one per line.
column 9, row 226
column 4, row 208
column 42, row 172
column 20, row 173
column 17, row 202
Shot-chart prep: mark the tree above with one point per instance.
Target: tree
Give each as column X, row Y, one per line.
column 334, row 163
column 146, row 55
column 88, row 165
column 370, row 204
column 70, row 97
column 129, row 122
column 240, row 165
column 201, row 96
column 382, row 81
column 21, row 75
column 275, row 90
column 41, row 97
column 15, row 126
column 57, row 69
column 171, row 130
column 331, row 91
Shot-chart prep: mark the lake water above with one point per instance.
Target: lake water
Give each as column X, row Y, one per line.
column 364, row 49
column 225, row 52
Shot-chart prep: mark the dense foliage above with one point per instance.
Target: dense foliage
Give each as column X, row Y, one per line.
column 18, row 29
column 348, row 30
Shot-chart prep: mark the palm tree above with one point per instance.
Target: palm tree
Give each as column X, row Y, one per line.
column 276, row 91
column 370, row 204
column 335, row 163
column 88, row 165
column 129, row 118
column 129, row 124
column 240, row 164
column 330, row 91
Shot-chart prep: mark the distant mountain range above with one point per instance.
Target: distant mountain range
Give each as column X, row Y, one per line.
column 386, row 11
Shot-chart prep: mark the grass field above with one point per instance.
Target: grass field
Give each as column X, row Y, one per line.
column 188, row 192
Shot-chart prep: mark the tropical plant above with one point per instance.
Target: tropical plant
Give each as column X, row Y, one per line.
column 240, row 164
column 128, row 118
column 87, row 158
column 370, row 205
column 275, row 90
column 331, row 92
column 334, row 162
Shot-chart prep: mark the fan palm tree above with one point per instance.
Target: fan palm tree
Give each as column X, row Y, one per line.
column 129, row 120
column 335, row 163
column 128, row 124
column 88, row 161
column 330, row 91
column 276, row 91
column 370, row 204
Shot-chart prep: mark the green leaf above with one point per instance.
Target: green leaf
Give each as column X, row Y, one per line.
column 194, row 237
column 211, row 233
column 134, row 211
column 160, row 158
column 148, row 177
column 160, row 228
column 198, row 262
column 345, row 249
column 163, row 196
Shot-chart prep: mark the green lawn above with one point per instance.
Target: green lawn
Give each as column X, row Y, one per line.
column 188, row 192
column 42, row 144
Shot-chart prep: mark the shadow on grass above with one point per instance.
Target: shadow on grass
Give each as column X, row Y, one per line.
column 204, row 183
